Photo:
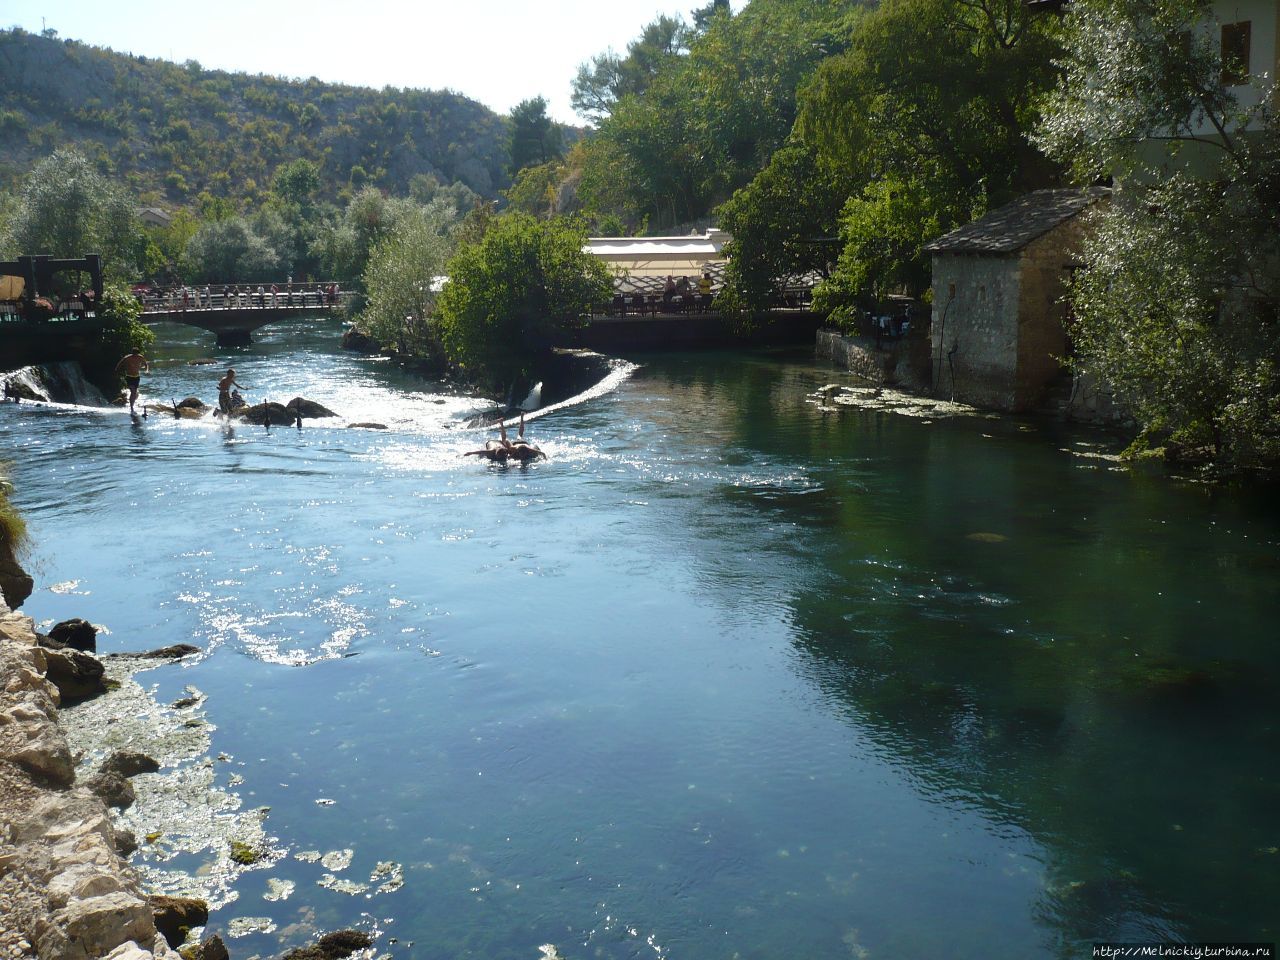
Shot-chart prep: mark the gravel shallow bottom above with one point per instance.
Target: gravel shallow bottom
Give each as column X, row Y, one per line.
column 180, row 811
column 195, row 837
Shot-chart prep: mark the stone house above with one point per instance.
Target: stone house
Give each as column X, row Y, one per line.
column 155, row 217
column 998, row 327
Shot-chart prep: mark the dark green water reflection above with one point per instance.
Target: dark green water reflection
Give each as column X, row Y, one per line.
column 726, row 677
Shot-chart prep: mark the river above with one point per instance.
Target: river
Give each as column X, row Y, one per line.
column 726, row 676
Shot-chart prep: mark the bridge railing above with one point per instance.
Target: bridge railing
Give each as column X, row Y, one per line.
column 329, row 296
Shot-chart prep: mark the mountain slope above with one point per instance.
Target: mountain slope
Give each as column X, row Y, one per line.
column 171, row 132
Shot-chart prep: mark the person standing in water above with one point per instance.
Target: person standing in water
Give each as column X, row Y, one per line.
column 133, row 364
column 224, row 390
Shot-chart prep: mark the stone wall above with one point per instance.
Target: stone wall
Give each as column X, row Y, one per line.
column 65, row 893
column 1092, row 401
column 975, row 330
column 897, row 363
column 1042, row 313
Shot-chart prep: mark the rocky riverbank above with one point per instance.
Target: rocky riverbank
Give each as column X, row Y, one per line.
column 66, row 890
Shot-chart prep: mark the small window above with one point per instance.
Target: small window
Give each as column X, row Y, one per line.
column 1236, row 38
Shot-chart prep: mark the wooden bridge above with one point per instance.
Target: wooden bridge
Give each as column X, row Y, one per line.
column 233, row 316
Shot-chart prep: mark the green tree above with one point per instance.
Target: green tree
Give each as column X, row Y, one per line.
column 296, row 182
column 230, row 251
column 882, row 230
column 1142, row 87
column 703, row 16
column 169, row 242
column 1179, row 309
column 425, row 188
column 706, row 121
column 600, row 84
column 535, row 139
column 402, row 277
column 66, row 208
column 122, row 330
column 517, row 293
column 927, row 113
column 534, row 190
column 1178, row 314
column 342, row 246
column 784, row 223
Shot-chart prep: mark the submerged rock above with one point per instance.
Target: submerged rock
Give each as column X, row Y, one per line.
column 182, row 813
column 175, row 916
column 359, row 341
column 113, row 789
column 309, row 408
column 332, row 946
column 128, row 763
column 1185, row 687
column 210, row 948
column 77, row 634
column 22, row 389
column 175, row 652
column 192, row 403
column 125, row 842
column 179, row 412
column 15, row 584
column 244, row 854
column 366, row 426
column 276, row 414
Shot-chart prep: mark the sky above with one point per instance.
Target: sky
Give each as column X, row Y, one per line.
column 496, row 51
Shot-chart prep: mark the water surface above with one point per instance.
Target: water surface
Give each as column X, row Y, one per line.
column 727, row 676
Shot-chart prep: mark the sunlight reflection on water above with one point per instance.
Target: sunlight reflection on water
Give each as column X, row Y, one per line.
column 725, row 674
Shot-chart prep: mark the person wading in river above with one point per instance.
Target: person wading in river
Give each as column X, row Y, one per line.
column 224, row 390
column 133, row 364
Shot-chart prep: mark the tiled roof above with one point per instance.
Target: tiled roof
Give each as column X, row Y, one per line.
column 1013, row 226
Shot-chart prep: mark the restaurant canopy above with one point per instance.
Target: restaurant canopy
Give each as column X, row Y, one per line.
column 640, row 257
column 11, row 287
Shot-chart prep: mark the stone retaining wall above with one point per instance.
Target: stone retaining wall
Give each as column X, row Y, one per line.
column 896, row 363
column 65, row 893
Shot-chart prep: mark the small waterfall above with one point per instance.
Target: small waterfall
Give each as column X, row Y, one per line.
column 27, row 383
column 534, row 400
column 60, row 382
column 67, row 385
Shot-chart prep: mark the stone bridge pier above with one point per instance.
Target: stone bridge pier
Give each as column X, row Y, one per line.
column 233, row 326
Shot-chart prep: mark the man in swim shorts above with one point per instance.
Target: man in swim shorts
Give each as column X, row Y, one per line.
column 133, row 365
column 224, row 390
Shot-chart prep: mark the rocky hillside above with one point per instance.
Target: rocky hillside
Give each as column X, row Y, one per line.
column 172, row 132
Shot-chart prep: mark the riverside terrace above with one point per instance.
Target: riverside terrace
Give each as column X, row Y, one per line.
column 48, row 308
column 641, row 317
column 41, row 288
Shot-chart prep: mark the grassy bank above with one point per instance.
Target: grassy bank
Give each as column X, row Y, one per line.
column 13, row 531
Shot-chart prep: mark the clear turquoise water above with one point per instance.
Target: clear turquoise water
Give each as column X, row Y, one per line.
column 725, row 677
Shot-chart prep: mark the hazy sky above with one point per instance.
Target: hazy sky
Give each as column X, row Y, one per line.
column 496, row 51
